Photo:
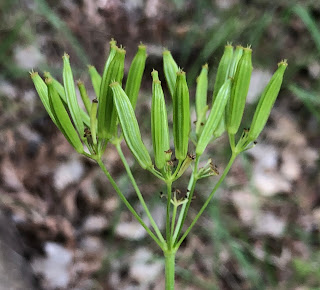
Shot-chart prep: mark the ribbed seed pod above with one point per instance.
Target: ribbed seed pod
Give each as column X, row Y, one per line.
column 215, row 116
column 107, row 116
column 93, row 120
column 201, row 97
column 95, row 79
column 60, row 89
column 239, row 92
column 266, row 102
column 181, row 116
column 57, row 85
column 130, row 127
column 235, row 61
column 170, row 69
column 61, row 115
column 159, row 124
column 71, row 96
column 135, row 75
column 221, row 128
column 223, row 69
column 84, row 95
column 42, row 91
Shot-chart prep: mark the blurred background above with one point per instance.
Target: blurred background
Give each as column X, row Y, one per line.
column 61, row 224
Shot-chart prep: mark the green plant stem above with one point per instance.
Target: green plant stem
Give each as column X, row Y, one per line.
column 126, row 202
column 224, row 174
column 185, row 206
column 169, row 268
column 232, row 141
column 141, row 199
column 173, row 220
column 168, row 231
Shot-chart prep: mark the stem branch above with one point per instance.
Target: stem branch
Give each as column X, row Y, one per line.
column 141, row 199
column 129, row 206
column 224, row 174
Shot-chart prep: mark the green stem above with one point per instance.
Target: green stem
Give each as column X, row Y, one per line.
column 168, row 231
column 169, row 269
column 224, row 174
column 232, row 142
column 126, row 202
column 141, row 199
column 177, row 170
column 173, row 220
column 185, row 206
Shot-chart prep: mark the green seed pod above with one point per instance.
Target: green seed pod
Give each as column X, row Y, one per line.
column 135, row 75
column 181, row 116
column 71, row 95
column 93, row 120
column 185, row 165
column 201, row 97
column 61, row 115
column 60, row 89
column 235, row 61
column 107, row 115
column 84, row 96
column 42, row 91
column 130, row 127
column 221, row 127
column 223, row 69
column 215, row 116
column 159, row 124
column 239, row 92
column 95, row 79
column 266, row 102
column 170, row 69
column 58, row 86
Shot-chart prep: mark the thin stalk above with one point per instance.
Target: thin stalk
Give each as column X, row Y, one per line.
column 168, row 231
column 173, row 221
column 224, row 174
column 169, row 269
column 141, row 199
column 177, row 170
column 185, row 206
column 232, row 141
column 126, row 202
column 156, row 173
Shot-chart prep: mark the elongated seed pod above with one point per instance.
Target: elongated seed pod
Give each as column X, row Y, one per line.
column 42, row 91
column 130, row 127
column 239, row 92
column 235, row 60
column 221, row 127
column 84, row 96
column 107, row 115
column 135, row 75
column 95, row 79
column 201, row 92
column 266, row 102
column 93, row 120
column 60, row 89
column 184, row 166
column 71, row 96
column 181, row 116
column 215, row 116
column 170, row 69
column 159, row 124
column 223, row 69
column 61, row 115
column 57, row 85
